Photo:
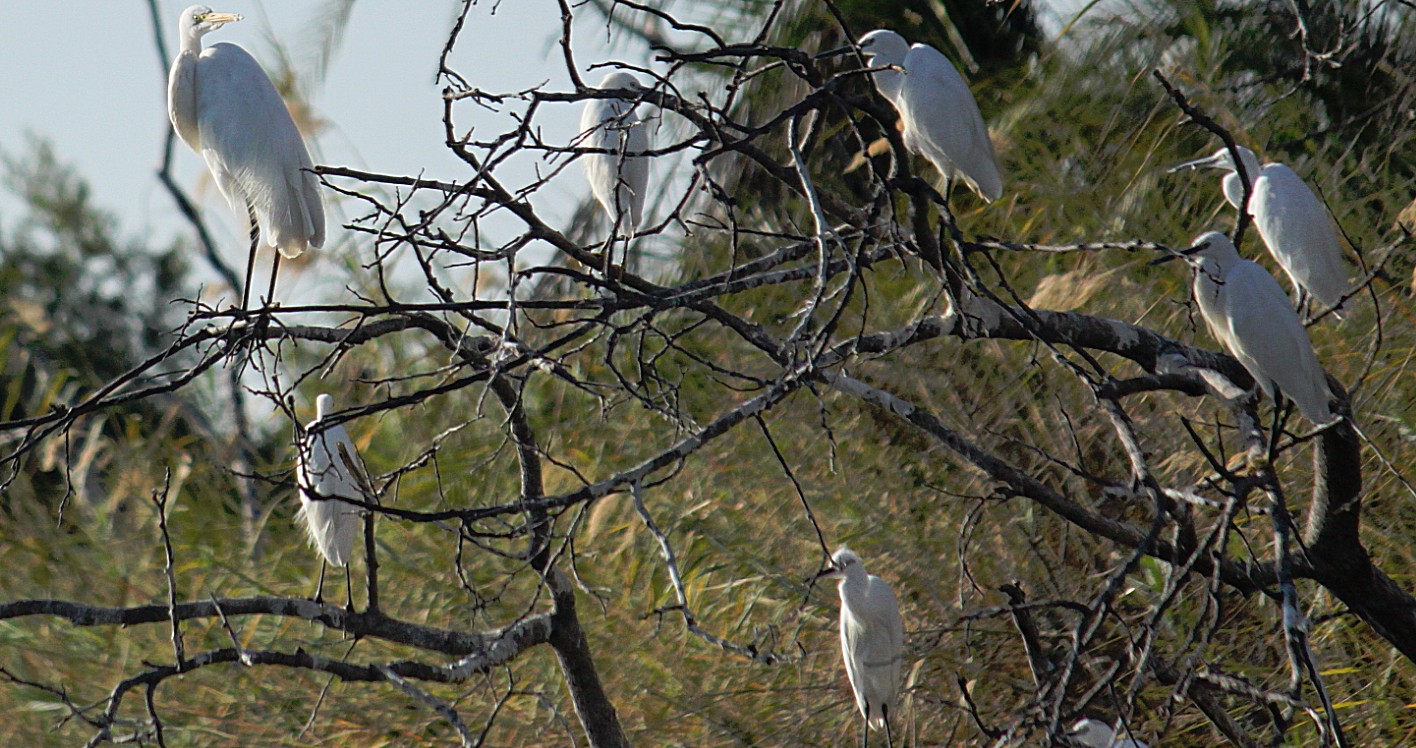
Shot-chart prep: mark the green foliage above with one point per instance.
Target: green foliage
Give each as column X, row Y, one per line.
column 81, row 306
column 1085, row 137
column 88, row 301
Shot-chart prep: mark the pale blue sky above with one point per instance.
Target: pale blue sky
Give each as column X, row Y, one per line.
column 86, row 76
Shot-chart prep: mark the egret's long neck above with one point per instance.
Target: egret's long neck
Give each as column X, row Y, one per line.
column 1251, row 162
column 887, row 82
column 852, row 585
column 1208, row 275
column 182, row 91
column 191, row 43
column 1234, row 188
column 1220, row 261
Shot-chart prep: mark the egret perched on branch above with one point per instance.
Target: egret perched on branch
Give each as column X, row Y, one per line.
column 941, row 118
column 328, row 467
column 1094, row 733
column 872, row 640
column 1290, row 218
column 1247, row 311
column 618, row 180
column 223, row 105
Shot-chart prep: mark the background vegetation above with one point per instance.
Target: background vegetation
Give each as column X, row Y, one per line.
column 1085, row 136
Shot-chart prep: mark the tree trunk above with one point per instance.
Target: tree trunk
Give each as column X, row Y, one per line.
column 592, row 705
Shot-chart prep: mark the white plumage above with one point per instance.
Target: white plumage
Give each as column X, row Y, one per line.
column 323, row 470
column 872, row 637
column 1097, row 734
column 1291, row 220
column 941, row 118
column 1249, row 314
column 225, row 108
column 618, row 181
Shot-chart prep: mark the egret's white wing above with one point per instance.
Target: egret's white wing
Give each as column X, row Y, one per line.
column 1271, row 342
column 618, row 182
column 634, row 172
column 324, row 470
column 1097, row 734
column 1294, row 224
column 852, row 632
column 942, row 122
column 872, row 638
column 599, row 167
column 254, row 150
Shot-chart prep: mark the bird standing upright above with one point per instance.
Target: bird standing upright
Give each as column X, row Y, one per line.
column 225, row 108
column 618, row 180
column 872, row 640
column 1247, row 311
column 941, row 118
column 328, row 467
column 1291, row 220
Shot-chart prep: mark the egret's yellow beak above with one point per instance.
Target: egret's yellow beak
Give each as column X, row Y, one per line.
column 217, row 20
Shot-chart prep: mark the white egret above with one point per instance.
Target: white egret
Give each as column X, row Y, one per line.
column 1247, row 311
column 1094, row 733
column 328, row 467
column 872, row 640
column 1291, row 220
column 941, row 118
column 619, row 181
column 225, row 108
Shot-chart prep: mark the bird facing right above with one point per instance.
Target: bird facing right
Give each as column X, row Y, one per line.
column 941, row 118
column 1247, row 311
column 1291, row 220
column 872, row 639
column 224, row 106
column 325, row 469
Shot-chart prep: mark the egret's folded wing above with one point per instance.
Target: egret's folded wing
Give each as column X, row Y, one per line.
column 938, row 102
column 1295, row 226
column 254, row 149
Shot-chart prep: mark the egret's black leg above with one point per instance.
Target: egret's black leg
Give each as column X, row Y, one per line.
column 274, row 270
column 250, row 259
column 348, row 587
column 885, row 716
column 319, row 589
column 865, row 729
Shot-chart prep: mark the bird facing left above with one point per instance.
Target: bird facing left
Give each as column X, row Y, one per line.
column 1247, row 312
column 872, row 640
column 941, row 118
column 1291, row 220
column 224, row 106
